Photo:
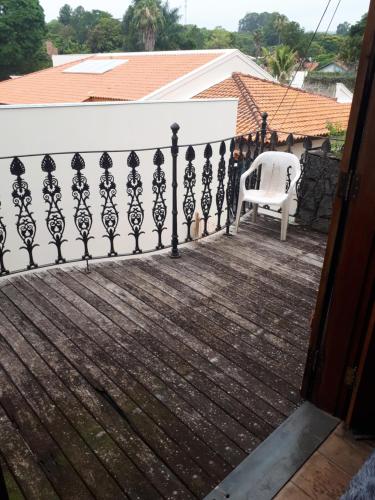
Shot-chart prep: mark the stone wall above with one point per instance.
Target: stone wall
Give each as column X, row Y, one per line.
column 316, row 190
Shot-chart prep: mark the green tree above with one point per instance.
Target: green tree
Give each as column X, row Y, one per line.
column 193, row 38
column 258, row 39
column 220, row 38
column 282, row 62
column 83, row 21
column 351, row 48
column 65, row 14
column 294, row 37
column 106, row 36
column 169, row 38
column 22, row 37
column 244, row 42
column 148, row 19
column 63, row 37
column 343, row 29
column 279, row 24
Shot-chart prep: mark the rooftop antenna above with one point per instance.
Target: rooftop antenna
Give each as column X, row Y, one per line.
column 186, row 5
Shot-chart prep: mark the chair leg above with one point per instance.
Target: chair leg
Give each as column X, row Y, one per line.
column 284, row 221
column 255, row 212
column 238, row 215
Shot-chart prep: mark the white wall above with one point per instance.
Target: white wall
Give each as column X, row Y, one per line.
column 343, row 94
column 103, row 127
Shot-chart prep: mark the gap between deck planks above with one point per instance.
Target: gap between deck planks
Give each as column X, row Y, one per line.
column 149, row 377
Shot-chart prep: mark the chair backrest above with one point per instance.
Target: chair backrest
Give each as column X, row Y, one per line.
column 276, row 168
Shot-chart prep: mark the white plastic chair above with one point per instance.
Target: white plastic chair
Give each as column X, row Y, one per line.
column 275, row 165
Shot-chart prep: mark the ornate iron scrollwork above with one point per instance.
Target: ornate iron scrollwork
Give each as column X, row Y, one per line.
column 206, row 200
column 26, row 225
column 108, row 191
column 159, row 209
column 52, row 195
column 3, row 251
column 189, row 184
column 230, row 185
column 82, row 214
column 134, row 189
column 220, row 193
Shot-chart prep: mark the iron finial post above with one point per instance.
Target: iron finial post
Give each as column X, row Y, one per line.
column 263, row 131
column 174, row 151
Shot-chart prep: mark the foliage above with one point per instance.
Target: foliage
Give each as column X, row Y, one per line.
column 148, row 20
column 343, row 28
column 154, row 25
column 83, row 31
column 22, row 32
column 281, row 63
column 220, row 38
column 327, row 79
column 351, row 47
column 106, row 36
column 337, row 135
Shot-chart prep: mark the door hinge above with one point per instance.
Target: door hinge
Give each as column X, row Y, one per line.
column 351, row 376
column 348, row 185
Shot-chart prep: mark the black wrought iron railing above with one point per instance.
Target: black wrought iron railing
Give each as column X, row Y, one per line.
column 60, row 218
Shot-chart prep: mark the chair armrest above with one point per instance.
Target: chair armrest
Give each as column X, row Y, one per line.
column 294, row 183
column 246, row 174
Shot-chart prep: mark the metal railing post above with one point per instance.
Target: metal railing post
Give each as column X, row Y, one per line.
column 263, row 131
column 174, row 150
column 263, row 134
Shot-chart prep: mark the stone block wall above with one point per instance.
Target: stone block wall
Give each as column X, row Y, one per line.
column 316, row 190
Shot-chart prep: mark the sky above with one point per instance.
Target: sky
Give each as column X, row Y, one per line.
column 227, row 13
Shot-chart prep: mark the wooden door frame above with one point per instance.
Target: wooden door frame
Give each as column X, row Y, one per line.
column 338, row 323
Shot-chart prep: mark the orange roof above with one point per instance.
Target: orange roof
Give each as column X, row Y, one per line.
column 141, row 75
column 297, row 111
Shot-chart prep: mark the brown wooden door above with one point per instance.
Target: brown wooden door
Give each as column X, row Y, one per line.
column 361, row 414
column 339, row 326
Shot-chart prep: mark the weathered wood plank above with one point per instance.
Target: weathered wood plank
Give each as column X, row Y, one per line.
column 139, row 422
column 22, row 462
column 117, row 425
column 244, row 356
column 263, row 344
column 11, row 486
column 251, row 344
column 268, row 283
column 201, row 349
column 79, row 452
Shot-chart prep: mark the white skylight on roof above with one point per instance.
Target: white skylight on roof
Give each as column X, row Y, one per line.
column 95, row 66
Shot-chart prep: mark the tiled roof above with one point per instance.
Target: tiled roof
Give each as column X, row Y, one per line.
column 141, row 75
column 297, row 111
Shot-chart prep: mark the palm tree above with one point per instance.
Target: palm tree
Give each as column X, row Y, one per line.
column 258, row 40
column 282, row 62
column 148, row 18
column 279, row 24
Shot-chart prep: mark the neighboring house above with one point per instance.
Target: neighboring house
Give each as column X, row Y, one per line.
column 128, row 77
column 332, row 67
column 289, row 110
column 338, row 90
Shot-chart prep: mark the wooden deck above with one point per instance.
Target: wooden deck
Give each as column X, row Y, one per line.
column 153, row 378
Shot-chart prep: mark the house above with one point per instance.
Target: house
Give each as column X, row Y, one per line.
column 128, row 77
column 289, row 110
column 332, row 67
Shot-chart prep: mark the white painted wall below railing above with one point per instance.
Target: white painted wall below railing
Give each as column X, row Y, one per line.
column 104, row 127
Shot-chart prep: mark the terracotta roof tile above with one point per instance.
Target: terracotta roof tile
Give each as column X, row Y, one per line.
column 297, row 111
column 140, row 76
